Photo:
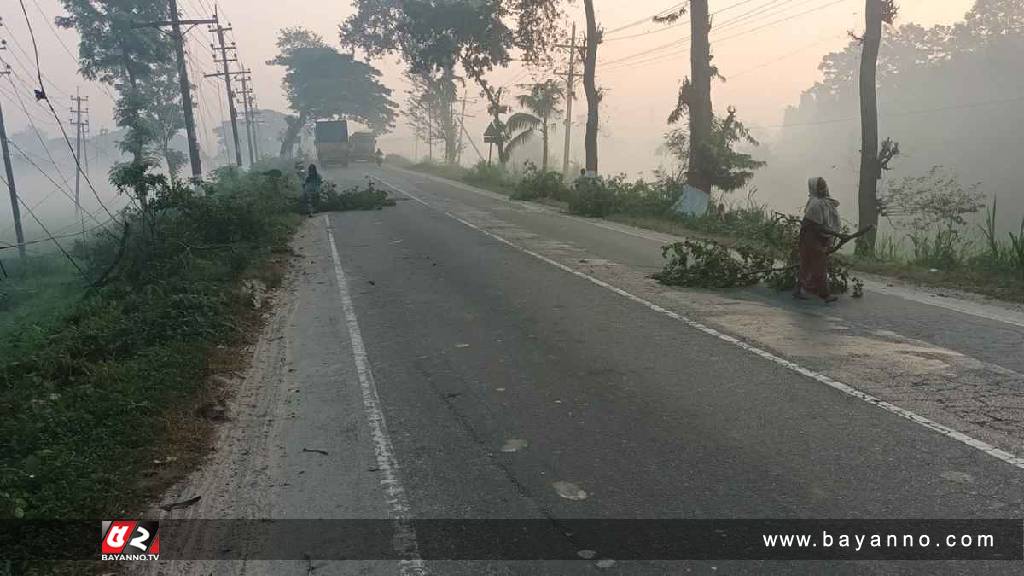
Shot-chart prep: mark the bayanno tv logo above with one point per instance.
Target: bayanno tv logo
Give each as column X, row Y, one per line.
column 130, row 540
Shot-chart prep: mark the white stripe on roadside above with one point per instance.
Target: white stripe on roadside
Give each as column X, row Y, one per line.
column 404, row 543
column 985, row 447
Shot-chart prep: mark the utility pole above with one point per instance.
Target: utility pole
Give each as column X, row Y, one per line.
column 462, row 131
column 80, row 122
column 570, row 95
column 178, row 36
column 15, row 211
column 226, row 74
column 247, row 111
column 186, row 94
column 257, row 120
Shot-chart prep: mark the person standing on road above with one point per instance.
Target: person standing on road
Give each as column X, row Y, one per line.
column 311, row 190
column 379, row 157
column 819, row 226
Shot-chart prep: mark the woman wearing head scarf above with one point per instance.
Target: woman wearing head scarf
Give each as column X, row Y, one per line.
column 820, row 225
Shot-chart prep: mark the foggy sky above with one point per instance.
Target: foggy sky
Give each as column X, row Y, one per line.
column 766, row 69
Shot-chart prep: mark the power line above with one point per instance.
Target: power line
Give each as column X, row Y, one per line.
column 647, row 19
column 660, row 57
column 21, row 244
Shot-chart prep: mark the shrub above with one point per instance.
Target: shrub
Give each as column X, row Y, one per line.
column 592, row 197
column 135, row 344
column 536, row 184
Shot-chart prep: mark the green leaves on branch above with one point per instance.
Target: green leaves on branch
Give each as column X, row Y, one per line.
column 709, row 264
column 321, row 82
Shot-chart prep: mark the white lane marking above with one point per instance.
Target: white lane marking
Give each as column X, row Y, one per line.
column 983, row 446
column 993, row 312
column 396, row 189
column 404, row 543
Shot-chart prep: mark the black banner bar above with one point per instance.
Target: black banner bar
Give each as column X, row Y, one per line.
column 572, row 539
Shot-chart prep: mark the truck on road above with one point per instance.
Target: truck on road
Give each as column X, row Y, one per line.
column 332, row 143
column 363, row 146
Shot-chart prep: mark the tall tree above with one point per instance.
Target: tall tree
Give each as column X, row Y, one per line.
column 543, row 104
column 114, row 50
column 590, row 88
column 321, row 82
column 436, row 36
column 166, row 120
column 699, row 98
column 431, row 111
column 875, row 12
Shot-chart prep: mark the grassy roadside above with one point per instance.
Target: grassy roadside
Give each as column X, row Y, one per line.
column 994, row 284
column 644, row 206
column 100, row 394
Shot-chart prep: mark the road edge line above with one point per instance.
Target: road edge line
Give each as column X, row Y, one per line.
column 405, row 543
column 980, row 445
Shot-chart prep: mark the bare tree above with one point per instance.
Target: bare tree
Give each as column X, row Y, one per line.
column 699, row 97
column 871, row 161
column 590, row 87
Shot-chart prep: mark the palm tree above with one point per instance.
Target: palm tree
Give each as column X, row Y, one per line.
column 518, row 130
column 543, row 103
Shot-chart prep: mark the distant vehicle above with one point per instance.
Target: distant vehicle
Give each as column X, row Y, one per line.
column 363, row 146
column 333, row 147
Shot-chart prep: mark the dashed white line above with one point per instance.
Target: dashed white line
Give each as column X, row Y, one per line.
column 404, row 542
column 981, row 445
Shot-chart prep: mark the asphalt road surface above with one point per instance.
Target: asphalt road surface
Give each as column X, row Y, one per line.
column 461, row 356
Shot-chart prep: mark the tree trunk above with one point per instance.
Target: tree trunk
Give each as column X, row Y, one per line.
column 701, row 112
column 867, row 194
column 590, row 87
column 544, row 135
column 291, row 136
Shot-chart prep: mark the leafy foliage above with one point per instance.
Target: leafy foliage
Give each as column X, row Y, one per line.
column 356, row 198
column 128, row 350
column 114, row 50
column 708, row 264
column 436, row 37
column 536, row 184
column 321, row 82
column 543, row 102
column 727, row 168
column 932, row 207
column 431, row 111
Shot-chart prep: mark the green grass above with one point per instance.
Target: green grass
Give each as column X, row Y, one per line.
column 91, row 380
column 37, row 292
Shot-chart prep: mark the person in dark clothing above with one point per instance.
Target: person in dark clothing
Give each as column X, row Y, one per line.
column 819, row 228
column 311, row 190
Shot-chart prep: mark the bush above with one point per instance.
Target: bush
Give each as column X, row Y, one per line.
column 592, row 197
column 83, row 401
column 536, row 184
column 490, row 176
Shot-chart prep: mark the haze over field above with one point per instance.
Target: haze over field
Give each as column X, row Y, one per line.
column 768, row 59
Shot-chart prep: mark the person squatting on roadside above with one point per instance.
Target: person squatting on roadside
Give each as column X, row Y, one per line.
column 819, row 227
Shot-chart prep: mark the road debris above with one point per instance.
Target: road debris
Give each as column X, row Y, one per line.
column 569, row 491
column 514, row 445
column 181, row 504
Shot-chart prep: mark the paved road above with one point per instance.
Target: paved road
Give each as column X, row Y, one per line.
column 460, row 356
